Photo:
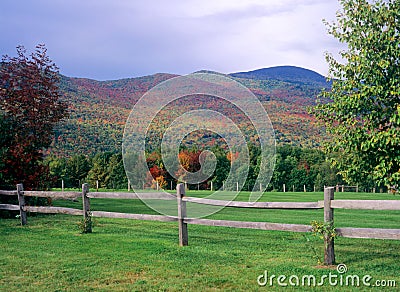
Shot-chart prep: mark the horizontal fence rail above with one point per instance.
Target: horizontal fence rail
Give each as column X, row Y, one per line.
column 377, row 233
column 9, row 207
column 134, row 216
column 328, row 204
column 250, row 225
column 53, row 210
column 366, row 204
column 150, row 196
column 8, row 193
column 55, row 195
column 259, row 205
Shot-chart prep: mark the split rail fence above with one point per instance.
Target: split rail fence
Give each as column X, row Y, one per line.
column 328, row 204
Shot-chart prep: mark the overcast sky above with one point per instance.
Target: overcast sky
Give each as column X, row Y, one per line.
column 112, row 39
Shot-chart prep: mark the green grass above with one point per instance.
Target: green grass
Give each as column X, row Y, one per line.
column 49, row 254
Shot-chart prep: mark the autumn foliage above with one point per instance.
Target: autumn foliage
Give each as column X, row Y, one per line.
column 30, row 106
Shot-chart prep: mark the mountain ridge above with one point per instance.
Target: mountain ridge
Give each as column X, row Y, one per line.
column 284, row 73
column 99, row 109
column 288, row 73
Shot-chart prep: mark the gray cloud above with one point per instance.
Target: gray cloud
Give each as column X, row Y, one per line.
column 258, row 10
column 108, row 39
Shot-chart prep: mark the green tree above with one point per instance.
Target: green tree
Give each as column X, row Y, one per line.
column 222, row 167
column 77, row 169
column 299, row 178
column 325, row 175
column 58, row 169
column 116, row 177
column 286, row 162
column 99, row 171
column 364, row 115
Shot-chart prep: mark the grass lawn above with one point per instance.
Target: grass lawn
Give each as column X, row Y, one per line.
column 49, row 254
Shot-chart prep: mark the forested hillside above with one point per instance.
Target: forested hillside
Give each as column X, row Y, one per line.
column 99, row 109
column 87, row 145
column 286, row 73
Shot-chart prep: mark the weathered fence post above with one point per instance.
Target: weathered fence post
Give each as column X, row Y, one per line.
column 183, row 232
column 329, row 250
column 21, row 201
column 87, row 219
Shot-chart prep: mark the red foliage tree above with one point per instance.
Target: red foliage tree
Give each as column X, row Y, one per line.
column 158, row 175
column 156, row 171
column 29, row 95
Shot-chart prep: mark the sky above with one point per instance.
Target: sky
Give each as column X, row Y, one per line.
column 113, row 39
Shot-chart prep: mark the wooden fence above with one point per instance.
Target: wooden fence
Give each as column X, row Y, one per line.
column 328, row 204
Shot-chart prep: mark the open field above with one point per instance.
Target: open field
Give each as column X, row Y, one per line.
column 50, row 254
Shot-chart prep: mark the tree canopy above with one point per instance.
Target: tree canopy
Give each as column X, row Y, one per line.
column 364, row 115
column 31, row 106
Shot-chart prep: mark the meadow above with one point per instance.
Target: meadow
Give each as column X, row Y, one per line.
column 50, row 253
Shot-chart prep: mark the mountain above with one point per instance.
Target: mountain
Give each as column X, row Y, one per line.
column 99, row 109
column 287, row 74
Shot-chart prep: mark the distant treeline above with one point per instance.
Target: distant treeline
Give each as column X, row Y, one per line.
column 295, row 168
